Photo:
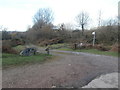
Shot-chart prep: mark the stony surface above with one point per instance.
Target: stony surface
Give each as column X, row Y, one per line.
column 104, row 81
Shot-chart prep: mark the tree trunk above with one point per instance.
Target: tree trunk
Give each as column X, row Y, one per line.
column 82, row 29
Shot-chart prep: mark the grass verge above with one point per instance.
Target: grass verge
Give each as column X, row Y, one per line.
column 94, row 51
column 15, row 60
column 57, row 46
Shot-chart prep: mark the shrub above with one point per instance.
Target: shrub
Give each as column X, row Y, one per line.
column 88, row 46
column 51, row 41
column 6, row 35
column 16, row 42
column 102, row 47
column 8, row 49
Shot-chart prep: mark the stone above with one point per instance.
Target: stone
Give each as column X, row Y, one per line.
column 109, row 80
column 28, row 52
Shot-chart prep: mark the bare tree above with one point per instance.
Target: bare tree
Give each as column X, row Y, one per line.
column 43, row 17
column 110, row 22
column 3, row 28
column 69, row 26
column 62, row 26
column 82, row 20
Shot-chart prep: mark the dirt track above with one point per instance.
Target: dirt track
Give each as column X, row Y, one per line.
column 69, row 70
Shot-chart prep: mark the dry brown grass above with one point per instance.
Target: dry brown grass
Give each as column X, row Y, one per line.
column 8, row 49
column 50, row 42
column 102, row 47
column 115, row 48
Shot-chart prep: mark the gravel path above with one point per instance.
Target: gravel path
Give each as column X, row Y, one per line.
column 68, row 70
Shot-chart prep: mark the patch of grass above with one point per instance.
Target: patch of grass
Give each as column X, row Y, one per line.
column 57, row 46
column 19, row 48
column 66, row 49
column 15, row 60
column 94, row 51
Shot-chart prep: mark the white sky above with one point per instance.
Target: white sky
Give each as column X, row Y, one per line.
column 17, row 14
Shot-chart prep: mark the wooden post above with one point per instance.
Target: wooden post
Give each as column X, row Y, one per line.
column 48, row 51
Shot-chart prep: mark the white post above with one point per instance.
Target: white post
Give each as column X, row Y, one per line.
column 93, row 38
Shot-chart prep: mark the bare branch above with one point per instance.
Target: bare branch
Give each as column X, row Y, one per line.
column 82, row 19
column 43, row 17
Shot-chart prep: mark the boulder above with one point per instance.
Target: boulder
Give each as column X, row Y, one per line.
column 28, row 52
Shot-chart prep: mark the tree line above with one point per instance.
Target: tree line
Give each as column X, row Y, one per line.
column 43, row 29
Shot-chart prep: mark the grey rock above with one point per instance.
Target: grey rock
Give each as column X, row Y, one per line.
column 104, row 81
column 28, row 52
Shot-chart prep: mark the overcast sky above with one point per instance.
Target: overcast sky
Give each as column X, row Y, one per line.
column 18, row 14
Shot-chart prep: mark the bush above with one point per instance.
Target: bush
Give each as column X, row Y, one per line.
column 102, row 48
column 13, row 42
column 8, row 49
column 16, row 42
column 51, row 42
column 6, row 35
column 99, row 47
